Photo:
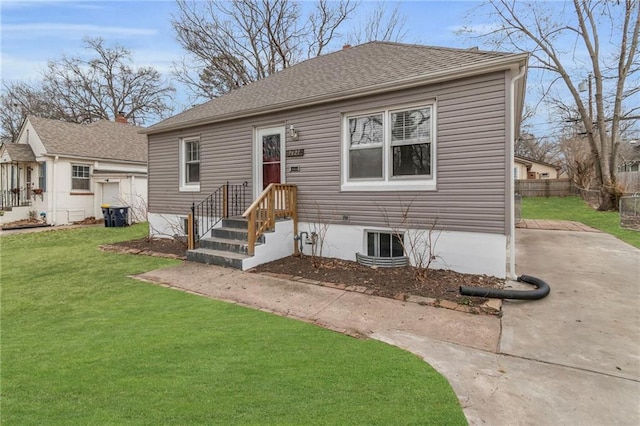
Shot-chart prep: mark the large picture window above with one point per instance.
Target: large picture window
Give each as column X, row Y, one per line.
column 80, row 178
column 389, row 150
column 190, row 164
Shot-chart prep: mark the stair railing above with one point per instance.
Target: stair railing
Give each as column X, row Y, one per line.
column 276, row 201
column 226, row 201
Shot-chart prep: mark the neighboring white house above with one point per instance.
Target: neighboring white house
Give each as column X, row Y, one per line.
column 526, row 168
column 64, row 172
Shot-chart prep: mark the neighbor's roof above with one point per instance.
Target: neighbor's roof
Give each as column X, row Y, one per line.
column 19, row 152
column 100, row 140
column 527, row 160
column 354, row 71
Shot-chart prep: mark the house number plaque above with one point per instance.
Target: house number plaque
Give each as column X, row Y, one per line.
column 295, row 153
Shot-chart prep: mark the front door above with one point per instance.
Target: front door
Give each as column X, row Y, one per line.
column 270, row 157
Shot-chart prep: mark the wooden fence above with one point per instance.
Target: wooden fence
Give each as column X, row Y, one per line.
column 544, row 187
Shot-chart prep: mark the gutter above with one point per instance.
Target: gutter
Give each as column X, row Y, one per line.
column 84, row 158
column 512, row 136
column 498, row 64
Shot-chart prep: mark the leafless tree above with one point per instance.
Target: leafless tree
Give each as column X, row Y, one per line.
column 84, row 90
column 17, row 100
column 535, row 27
column 105, row 85
column 577, row 160
column 230, row 44
column 380, row 25
column 529, row 146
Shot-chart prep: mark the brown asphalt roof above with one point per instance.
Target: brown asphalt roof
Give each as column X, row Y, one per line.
column 99, row 140
column 369, row 66
column 20, row 152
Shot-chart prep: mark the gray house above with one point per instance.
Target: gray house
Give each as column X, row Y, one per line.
column 364, row 146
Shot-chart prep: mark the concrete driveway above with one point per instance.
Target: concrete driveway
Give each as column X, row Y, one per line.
column 571, row 358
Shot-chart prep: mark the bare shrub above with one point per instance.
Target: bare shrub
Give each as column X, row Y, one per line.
column 418, row 238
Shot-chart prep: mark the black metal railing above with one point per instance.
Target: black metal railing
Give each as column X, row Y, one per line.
column 226, row 201
column 15, row 197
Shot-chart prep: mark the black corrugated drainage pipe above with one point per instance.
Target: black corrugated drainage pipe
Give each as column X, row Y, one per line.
column 494, row 293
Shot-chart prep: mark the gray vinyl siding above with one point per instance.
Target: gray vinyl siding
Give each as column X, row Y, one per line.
column 471, row 138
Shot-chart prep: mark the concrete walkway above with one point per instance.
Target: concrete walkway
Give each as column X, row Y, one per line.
column 571, row 358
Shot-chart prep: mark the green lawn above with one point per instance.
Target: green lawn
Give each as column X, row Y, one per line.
column 576, row 209
column 84, row 344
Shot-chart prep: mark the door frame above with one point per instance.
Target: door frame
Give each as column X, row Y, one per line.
column 257, row 156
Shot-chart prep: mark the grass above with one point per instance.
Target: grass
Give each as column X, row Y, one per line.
column 576, row 209
column 84, row 344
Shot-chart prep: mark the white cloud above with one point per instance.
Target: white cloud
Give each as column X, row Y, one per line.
column 20, row 68
column 72, row 30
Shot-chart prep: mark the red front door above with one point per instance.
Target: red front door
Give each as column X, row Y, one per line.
column 271, row 160
column 270, row 150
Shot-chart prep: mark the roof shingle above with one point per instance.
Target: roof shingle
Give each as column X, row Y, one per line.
column 101, row 140
column 20, row 152
column 352, row 70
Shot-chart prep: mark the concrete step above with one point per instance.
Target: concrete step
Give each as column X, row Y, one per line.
column 225, row 244
column 233, row 234
column 230, row 233
column 216, row 257
column 237, row 222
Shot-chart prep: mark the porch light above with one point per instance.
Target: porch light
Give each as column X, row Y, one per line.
column 293, row 133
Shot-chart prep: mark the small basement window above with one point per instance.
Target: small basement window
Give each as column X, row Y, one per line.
column 384, row 249
column 384, row 244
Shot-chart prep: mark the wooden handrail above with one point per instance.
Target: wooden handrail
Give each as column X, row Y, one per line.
column 277, row 200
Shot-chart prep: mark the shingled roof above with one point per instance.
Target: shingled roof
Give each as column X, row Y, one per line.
column 374, row 66
column 19, row 152
column 100, row 140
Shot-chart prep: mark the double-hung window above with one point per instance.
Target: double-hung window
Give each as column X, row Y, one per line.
column 190, row 164
column 42, row 176
column 366, row 142
column 389, row 150
column 80, row 178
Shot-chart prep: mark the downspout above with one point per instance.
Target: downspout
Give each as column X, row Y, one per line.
column 54, row 199
column 512, row 137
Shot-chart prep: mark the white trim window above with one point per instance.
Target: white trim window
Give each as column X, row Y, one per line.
column 389, row 150
column 190, row 164
column 80, row 177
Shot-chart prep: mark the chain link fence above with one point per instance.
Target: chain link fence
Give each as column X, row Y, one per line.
column 630, row 212
column 518, row 207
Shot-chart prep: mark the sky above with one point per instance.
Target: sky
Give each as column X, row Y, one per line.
column 33, row 32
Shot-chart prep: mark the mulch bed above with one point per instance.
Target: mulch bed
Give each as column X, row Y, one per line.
column 398, row 283
column 395, row 283
column 165, row 247
column 23, row 224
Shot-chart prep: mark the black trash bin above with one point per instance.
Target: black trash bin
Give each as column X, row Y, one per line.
column 119, row 216
column 106, row 213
